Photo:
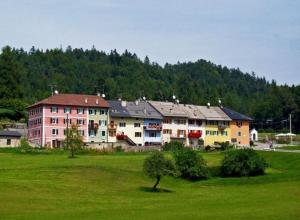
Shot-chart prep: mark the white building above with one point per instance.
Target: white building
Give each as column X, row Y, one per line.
column 253, row 135
column 175, row 122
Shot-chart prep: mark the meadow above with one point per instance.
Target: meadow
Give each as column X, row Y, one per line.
column 52, row 186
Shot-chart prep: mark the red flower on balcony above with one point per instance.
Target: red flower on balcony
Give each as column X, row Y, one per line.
column 121, row 136
column 196, row 134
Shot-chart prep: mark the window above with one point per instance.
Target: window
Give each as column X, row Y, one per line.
column 103, row 133
column 167, row 131
column 239, row 123
column 54, row 109
column 167, row 121
column 191, row 122
column 239, row 134
column 122, row 124
column 224, row 133
column 112, row 133
column 66, row 121
column 52, row 121
column 80, row 121
column 54, row 131
column 102, row 123
column 92, row 111
column 138, row 134
column 180, row 121
column 137, row 125
column 81, row 132
column 67, row 110
column 215, row 133
column 8, row 142
column 207, row 133
column 152, row 134
column 103, row 112
column 80, row 111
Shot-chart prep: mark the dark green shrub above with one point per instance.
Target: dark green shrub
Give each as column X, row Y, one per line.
column 190, row 164
column 119, row 149
column 226, row 146
column 251, row 143
column 242, row 162
column 207, row 148
column 173, row 146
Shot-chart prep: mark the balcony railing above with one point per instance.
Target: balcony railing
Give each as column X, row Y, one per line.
column 153, row 127
column 222, row 127
column 197, row 134
column 112, row 126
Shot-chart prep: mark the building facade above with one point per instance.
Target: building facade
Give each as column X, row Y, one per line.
column 50, row 118
column 239, row 127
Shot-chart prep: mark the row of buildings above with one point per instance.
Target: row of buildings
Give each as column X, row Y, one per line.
column 136, row 123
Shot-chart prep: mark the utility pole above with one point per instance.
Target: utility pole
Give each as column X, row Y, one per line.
column 291, row 127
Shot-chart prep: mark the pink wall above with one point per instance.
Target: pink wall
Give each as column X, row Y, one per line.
column 60, row 115
column 35, row 120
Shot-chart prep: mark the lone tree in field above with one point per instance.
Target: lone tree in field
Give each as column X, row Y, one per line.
column 156, row 166
column 73, row 140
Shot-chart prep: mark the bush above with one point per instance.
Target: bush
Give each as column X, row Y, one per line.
column 173, row 146
column 24, row 146
column 226, row 146
column 251, row 143
column 190, row 164
column 242, row 162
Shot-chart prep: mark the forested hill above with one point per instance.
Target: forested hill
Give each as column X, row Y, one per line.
column 26, row 77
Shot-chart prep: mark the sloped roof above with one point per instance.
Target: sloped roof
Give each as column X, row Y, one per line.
column 142, row 109
column 117, row 110
column 213, row 113
column 73, row 100
column 6, row 133
column 169, row 109
column 192, row 111
column 235, row 115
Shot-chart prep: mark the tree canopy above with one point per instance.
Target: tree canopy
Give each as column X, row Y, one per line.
column 27, row 75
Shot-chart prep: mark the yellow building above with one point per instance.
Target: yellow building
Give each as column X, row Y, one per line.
column 217, row 129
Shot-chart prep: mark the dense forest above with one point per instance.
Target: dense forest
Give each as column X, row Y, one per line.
column 27, row 76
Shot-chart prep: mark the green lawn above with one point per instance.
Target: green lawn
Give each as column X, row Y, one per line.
column 290, row 148
column 51, row 186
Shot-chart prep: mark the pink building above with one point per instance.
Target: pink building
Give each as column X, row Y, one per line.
column 49, row 118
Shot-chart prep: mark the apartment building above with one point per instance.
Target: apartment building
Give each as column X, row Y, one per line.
column 196, row 124
column 239, row 127
column 48, row 119
column 175, row 122
column 217, row 129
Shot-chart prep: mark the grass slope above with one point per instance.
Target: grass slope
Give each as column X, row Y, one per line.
column 51, row 186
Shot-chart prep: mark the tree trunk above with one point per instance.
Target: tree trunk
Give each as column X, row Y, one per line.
column 157, row 182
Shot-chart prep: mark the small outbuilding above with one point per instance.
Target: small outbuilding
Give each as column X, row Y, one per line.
column 10, row 138
column 253, row 135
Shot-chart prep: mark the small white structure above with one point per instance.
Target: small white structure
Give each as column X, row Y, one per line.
column 253, row 135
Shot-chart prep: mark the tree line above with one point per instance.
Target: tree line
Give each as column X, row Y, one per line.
column 26, row 77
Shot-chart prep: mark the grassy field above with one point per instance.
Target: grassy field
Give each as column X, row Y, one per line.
column 51, row 186
column 290, row 148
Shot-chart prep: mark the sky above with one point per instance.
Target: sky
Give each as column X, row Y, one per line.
column 262, row 36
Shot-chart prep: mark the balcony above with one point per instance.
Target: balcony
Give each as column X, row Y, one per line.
column 222, row 127
column 196, row 134
column 153, row 127
column 112, row 126
column 121, row 136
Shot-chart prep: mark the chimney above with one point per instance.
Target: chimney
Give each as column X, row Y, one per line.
column 97, row 102
column 85, row 100
column 98, row 94
column 208, row 105
column 123, row 103
column 136, row 102
column 145, row 111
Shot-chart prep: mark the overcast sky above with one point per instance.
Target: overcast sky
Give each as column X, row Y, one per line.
column 258, row 35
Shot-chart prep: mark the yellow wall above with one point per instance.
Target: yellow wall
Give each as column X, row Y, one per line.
column 129, row 130
column 210, row 139
column 243, row 139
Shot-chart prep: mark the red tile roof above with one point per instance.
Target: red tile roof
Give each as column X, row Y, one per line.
column 73, row 100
